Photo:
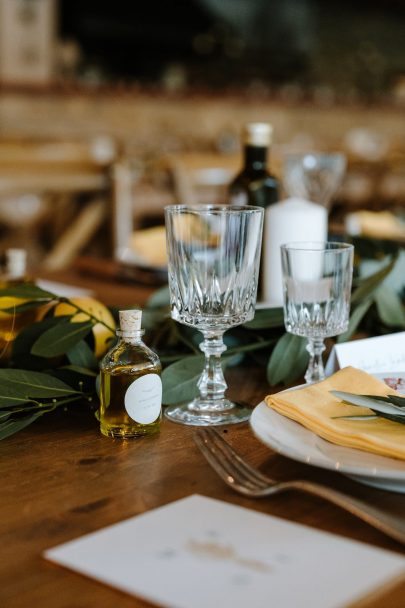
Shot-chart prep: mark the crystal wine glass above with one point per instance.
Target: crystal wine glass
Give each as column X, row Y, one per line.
column 214, row 254
column 317, row 280
column 314, row 176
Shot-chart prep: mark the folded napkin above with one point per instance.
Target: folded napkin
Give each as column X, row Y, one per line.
column 376, row 224
column 317, row 409
column 150, row 245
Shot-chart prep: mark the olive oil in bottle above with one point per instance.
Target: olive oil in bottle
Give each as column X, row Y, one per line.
column 12, row 321
column 131, row 387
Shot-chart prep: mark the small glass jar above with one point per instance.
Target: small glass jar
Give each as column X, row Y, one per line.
column 131, row 387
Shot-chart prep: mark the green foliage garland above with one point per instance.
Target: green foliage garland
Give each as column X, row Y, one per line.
column 52, row 361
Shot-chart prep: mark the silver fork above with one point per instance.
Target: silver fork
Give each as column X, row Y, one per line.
column 246, row 480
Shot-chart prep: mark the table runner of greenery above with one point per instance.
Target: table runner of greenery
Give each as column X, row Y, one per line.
column 53, row 365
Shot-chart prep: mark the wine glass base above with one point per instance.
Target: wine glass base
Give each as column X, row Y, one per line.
column 200, row 413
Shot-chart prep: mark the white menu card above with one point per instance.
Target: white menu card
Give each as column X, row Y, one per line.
column 372, row 355
column 199, row 552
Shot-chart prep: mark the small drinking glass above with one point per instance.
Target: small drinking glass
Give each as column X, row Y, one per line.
column 317, row 280
column 314, row 176
column 213, row 263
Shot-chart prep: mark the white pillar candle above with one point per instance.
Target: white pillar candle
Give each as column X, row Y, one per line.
column 288, row 221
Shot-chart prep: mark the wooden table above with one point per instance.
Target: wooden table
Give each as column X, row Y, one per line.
column 62, row 479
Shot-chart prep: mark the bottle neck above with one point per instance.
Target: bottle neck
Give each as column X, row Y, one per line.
column 255, row 157
column 131, row 337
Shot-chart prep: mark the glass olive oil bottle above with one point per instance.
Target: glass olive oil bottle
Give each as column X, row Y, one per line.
column 12, row 321
column 131, row 387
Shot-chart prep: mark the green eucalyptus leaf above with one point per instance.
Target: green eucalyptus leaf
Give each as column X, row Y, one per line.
column 390, row 308
column 153, row 317
column 61, row 338
column 98, row 385
column 80, row 380
column 27, row 337
column 180, row 379
column 393, row 418
column 27, row 291
column 396, row 400
column 82, row 371
column 8, row 397
column 355, row 319
column 25, row 384
column 24, row 307
column 393, row 399
column 9, row 427
column 266, row 318
column 81, row 355
column 361, row 418
column 288, row 360
column 248, row 348
column 372, row 403
column 160, row 298
column 369, row 285
column 4, row 415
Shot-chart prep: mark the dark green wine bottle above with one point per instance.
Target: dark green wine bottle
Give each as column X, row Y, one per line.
column 255, row 185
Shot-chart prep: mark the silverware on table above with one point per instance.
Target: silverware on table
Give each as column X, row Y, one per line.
column 247, row 480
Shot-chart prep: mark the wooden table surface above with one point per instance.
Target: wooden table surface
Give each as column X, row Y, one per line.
column 62, row 479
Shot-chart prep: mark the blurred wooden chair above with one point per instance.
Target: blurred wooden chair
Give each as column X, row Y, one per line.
column 63, row 184
column 202, row 178
column 192, row 179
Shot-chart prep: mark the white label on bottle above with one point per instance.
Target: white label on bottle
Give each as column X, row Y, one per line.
column 143, row 399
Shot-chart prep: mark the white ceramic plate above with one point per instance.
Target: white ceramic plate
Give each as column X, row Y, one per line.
column 295, row 441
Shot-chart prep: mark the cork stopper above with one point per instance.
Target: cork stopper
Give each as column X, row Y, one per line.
column 16, row 262
column 130, row 320
column 257, row 134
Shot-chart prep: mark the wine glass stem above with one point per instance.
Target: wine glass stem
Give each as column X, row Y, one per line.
column 212, row 385
column 315, row 371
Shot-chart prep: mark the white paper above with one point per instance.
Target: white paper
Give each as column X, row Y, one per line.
column 199, row 552
column 64, row 290
column 372, row 355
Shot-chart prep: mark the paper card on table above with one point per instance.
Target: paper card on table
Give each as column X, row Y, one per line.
column 64, row 290
column 202, row 552
column 372, row 355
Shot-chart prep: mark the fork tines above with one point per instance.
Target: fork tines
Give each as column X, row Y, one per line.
column 227, row 463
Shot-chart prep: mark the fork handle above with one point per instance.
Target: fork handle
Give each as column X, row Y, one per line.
column 390, row 525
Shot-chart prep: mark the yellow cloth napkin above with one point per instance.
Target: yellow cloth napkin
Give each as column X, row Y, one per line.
column 316, row 408
column 150, row 245
column 377, row 224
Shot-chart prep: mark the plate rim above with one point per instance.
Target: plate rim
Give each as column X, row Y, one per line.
column 324, row 460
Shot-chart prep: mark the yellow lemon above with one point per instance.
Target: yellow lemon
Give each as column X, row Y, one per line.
column 9, row 302
column 102, row 335
column 12, row 323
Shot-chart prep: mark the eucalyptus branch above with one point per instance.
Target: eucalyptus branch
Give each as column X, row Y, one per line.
column 187, row 342
column 92, row 317
column 58, row 402
column 251, row 347
column 44, row 408
column 230, row 352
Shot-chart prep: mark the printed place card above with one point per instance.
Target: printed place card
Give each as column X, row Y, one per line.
column 199, row 552
column 372, row 355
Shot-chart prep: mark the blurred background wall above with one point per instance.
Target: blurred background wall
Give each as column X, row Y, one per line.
column 147, row 81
